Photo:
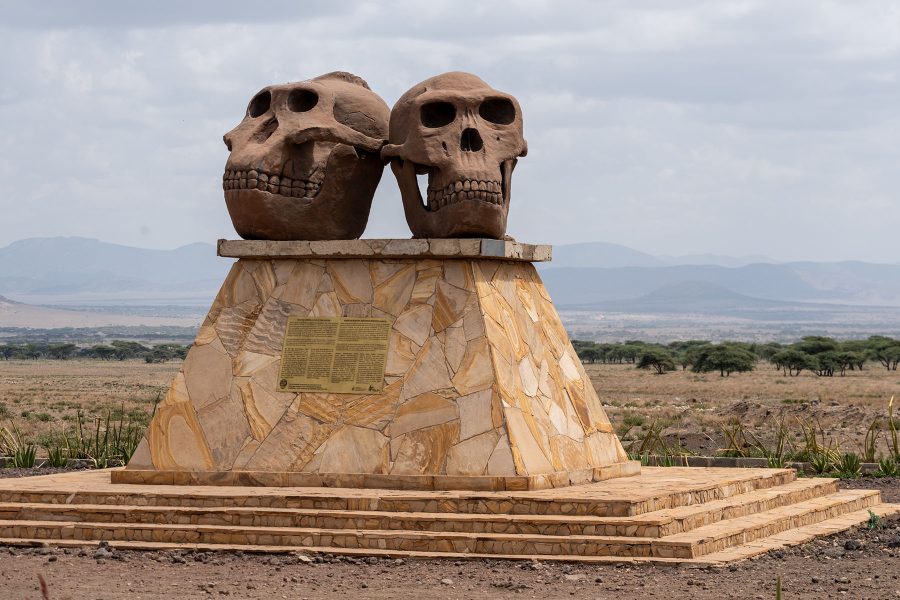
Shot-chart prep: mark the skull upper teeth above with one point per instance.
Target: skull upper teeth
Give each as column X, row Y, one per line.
column 270, row 182
column 465, row 189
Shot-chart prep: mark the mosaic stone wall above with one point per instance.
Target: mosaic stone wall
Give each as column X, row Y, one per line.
column 481, row 379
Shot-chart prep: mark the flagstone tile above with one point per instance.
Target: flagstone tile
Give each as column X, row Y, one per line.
column 422, row 411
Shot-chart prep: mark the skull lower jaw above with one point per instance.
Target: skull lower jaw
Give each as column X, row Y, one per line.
column 337, row 208
column 458, row 206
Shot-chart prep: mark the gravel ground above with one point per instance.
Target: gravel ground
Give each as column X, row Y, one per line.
column 860, row 563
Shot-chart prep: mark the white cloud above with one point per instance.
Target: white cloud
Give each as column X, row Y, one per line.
column 712, row 126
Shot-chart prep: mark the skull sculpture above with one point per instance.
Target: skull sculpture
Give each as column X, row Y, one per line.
column 305, row 162
column 466, row 136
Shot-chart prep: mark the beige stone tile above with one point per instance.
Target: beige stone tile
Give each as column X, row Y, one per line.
column 233, row 324
column 300, row 288
column 475, row 413
column 205, row 335
column 424, row 451
column 523, row 443
column 459, row 273
column 428, row 373
column 261, row 407
column 283, row 269
column 415, row 323
column 528, row 376
column 374, row 411
column 473, row 323
column 454, row 346
column 449, row 305
column 248, row 363
column 352, row 281
column 401, row 354
column 207, row 374
column 381, row 270
column 501, row 461
column 422, row 411
column 238, row 287
column 291, row 443
column 225, row 428
column 474, row 373
column 355, row 450
column 394, row 293
column 426, row 280
column 263, row 276
column 327, row 305
column 470, row 457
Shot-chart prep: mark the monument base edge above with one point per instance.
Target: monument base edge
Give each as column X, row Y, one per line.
column 377, row 481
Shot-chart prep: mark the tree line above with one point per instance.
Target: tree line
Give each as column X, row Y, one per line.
column 115, row 350
column 821, row 355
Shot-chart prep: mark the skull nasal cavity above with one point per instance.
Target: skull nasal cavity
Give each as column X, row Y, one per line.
column 471, row 141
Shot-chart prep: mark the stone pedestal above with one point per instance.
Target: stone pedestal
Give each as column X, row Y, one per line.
column 482, row 389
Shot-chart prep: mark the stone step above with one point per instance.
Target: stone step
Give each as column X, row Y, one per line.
column 744, row 551
column 663, row 488
column 691, row 544
column 654, row 524
column 743, row 530
column 800, row 535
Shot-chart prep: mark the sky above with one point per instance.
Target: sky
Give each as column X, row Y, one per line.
column 674, row 127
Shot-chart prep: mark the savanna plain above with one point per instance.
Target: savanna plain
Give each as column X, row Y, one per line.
column 690, row 412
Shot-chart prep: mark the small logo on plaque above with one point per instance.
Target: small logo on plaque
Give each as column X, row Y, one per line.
column 343, row 355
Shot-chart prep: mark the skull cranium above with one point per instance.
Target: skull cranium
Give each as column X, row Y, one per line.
column 304, row 163
column 466, row 136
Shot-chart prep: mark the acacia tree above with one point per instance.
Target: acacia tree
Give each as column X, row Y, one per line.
column 656, row 358
column 793, row 362
column 724, row 358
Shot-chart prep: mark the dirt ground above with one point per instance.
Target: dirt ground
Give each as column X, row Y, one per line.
column 861, row 563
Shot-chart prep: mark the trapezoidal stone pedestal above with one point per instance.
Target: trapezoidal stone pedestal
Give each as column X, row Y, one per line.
column 482, row 388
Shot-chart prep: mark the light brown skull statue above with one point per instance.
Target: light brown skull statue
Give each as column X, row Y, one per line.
column 305, row 162
column 466, row 137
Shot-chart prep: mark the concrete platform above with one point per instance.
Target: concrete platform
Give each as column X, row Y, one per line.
column 663, row 515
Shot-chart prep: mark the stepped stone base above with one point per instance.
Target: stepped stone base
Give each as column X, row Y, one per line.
column 482, row 389
column 662, row 515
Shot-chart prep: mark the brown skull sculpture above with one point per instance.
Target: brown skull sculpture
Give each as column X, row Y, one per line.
column 305, row 162
column 466, row 137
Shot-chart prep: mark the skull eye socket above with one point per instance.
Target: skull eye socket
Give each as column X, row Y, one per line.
column 499, row 111
column 437, row 114
column 260, row 104
column 302, row 100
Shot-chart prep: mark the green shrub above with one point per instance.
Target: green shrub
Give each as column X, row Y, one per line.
column 850, row 466
column 23, row 458
column 56, row 456
column 887, row 467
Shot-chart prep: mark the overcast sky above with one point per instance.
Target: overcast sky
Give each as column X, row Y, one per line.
column 731, row 127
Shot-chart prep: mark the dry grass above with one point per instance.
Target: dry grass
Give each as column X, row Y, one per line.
column 692, row 404
column 43, row 396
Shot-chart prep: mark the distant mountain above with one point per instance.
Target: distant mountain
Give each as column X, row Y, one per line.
column 73, row 268
column 601, row 254
column 570, row 286
column 584, row 273
column 689, row 296
column 716, row 259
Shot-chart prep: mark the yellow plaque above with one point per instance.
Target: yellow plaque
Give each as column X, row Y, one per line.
column 344, row 355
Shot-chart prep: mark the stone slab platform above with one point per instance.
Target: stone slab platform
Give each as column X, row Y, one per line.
column 387, row 249
column 663, row 515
